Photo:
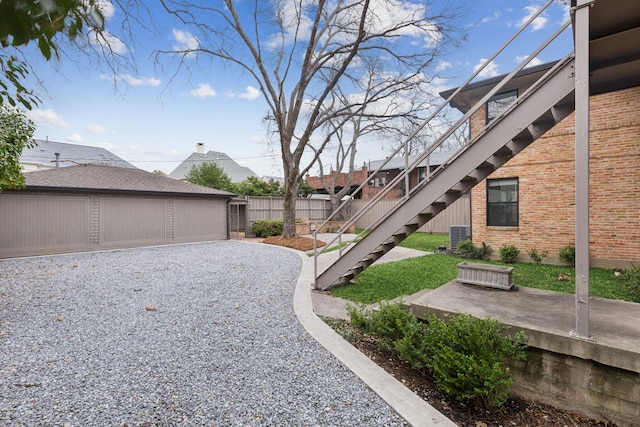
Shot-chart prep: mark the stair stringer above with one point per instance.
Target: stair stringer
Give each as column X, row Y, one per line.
column 508, row 132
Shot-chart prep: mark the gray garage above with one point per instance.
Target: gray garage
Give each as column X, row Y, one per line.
column 93, row 207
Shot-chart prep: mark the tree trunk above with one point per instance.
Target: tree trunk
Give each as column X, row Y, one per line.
column 289, row 215
column 289, row 206
column 334, row 202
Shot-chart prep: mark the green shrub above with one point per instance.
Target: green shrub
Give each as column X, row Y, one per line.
column 630, row 280
column 508, row 253
column 568, row 254
column 469, row 355
column 537, row 256
column 267, row 227
column 468, row 250
column 415, row 346
column 388, row 323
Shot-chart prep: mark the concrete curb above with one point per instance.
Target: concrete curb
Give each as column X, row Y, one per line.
column 407, row 404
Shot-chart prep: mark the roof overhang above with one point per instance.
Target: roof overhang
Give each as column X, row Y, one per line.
column 42, row 188
column 614, row 55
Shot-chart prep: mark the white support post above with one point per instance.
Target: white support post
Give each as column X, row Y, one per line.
column 581, row 37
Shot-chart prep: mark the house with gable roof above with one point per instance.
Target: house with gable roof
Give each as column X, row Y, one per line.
column 234, row 171
column 376, row 179
column 50, row 154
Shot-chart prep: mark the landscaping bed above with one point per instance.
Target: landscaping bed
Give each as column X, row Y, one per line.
column 515, row 412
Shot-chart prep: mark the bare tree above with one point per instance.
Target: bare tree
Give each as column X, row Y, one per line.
column 298, row 51
column 345, row 156
column 387, row 107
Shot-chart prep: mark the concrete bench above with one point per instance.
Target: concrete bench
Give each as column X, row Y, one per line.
column 493, row 276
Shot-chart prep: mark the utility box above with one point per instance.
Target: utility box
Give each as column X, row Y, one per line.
column 457, row 234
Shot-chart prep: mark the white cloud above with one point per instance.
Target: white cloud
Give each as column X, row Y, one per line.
column 134, row 81
column 75, row 138
column 491, row 70
column 185, row 41
column 443, row 65
column 397, row 18
column 107, row 9
column 496, row 15
column 203, row 91
column 47, row 118
column 249, row 93
column 96, row 129
column 112, row 43
column 539, row 23
column 535, row 61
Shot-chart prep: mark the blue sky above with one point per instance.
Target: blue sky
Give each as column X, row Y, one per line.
column 155, row 124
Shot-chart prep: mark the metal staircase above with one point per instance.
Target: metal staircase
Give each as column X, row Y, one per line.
column 612, row 63
column 545, row 104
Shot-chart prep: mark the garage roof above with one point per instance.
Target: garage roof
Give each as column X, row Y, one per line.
column 113, row 179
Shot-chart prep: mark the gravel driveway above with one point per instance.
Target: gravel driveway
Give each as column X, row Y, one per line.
column 199, row 334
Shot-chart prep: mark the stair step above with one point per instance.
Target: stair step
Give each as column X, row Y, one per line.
column 454, row 191
column 355, row 270
column 517, row 145
column 505, row 151
column 559, row 112
column 425, row 216
column 469, row 180
column 486, row 165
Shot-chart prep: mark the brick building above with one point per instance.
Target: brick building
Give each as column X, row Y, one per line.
column 530, row 201
column 377, row 181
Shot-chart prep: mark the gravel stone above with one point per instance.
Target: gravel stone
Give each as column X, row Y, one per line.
column 185, row 335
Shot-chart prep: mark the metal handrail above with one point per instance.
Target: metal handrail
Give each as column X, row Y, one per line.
column 417, row 161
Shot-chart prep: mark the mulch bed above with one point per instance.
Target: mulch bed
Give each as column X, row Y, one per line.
column 299, row 243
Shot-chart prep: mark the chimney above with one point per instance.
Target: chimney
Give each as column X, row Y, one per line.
column 200, row 148
column 57, row 159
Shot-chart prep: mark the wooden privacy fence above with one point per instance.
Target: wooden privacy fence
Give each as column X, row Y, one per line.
column 261, row 208
column 458, row 213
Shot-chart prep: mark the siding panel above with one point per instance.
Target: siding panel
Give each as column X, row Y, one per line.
column 132, row 221
column 458, row 213
column 42, row 224
column 199, row 220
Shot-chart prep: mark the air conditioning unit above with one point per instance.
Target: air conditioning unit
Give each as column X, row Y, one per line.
column 457, row 234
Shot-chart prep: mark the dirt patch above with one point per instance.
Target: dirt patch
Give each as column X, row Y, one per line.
column 299, row 243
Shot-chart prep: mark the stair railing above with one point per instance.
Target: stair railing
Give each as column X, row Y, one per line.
column 434, row 146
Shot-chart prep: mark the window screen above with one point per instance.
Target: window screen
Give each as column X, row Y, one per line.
column 502, row 202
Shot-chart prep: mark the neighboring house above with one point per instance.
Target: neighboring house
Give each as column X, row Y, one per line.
column 359, row 176
column 375, row 182
column 93, row 207
column 234, row 171
column 530, row 201
column 395, row 166
column 50, row 154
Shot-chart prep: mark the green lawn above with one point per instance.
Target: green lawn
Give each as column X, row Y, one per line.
column 425, row 241
column 388, row 281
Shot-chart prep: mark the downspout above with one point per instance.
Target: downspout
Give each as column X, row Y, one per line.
column 229, row 218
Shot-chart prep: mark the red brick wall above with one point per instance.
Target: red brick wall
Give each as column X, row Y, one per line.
column 359, row 176
column 546, row 172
